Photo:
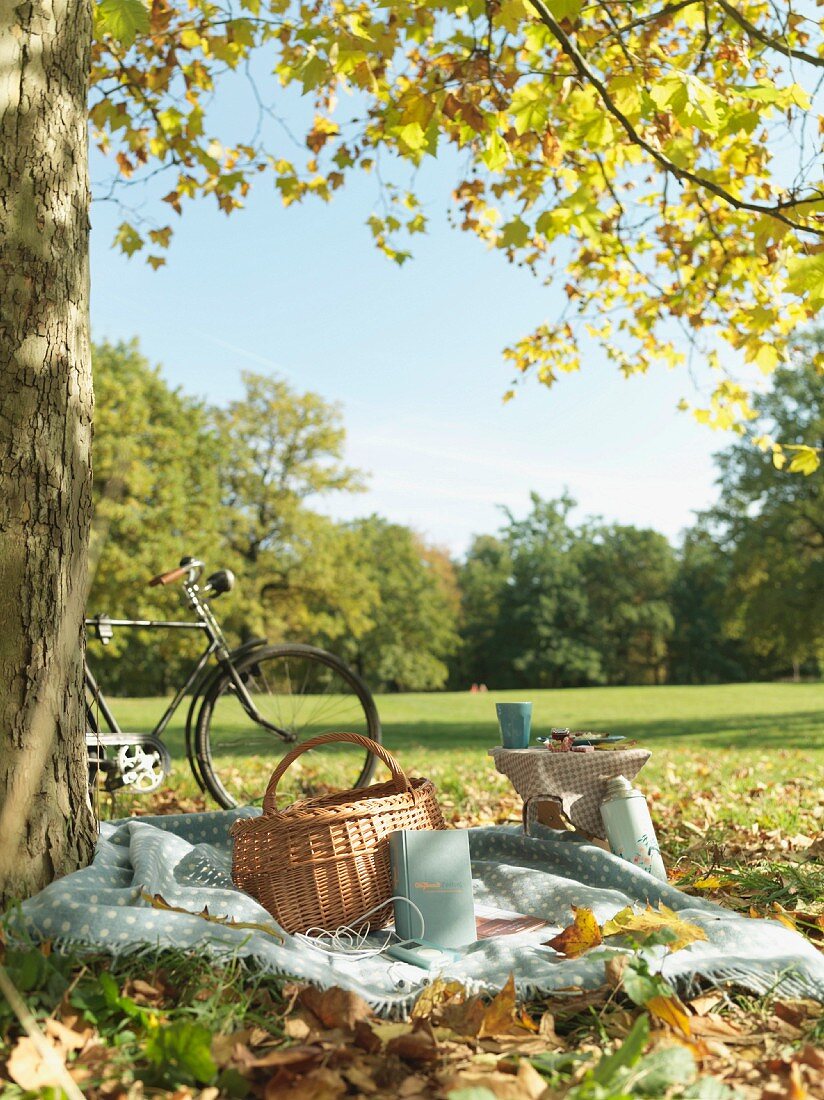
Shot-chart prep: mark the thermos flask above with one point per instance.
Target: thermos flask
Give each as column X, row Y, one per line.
column 629, row 827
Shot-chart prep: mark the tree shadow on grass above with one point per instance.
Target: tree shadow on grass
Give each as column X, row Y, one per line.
column 801, row 730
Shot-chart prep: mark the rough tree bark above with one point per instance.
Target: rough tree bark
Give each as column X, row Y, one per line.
column 46, row 824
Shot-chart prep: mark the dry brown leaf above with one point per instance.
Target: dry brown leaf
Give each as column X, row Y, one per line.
column 359, row 1076
column 713, row 1026
column 296, row 1028
column 500, row 1015
column 436, row 994
column 417, row 1045
column 526, row 1084
column 414, row 1086
column 670, row 1011
column 705, row 1003
column 366, row 1039
column 811, row 1056
column 297, row 1059
column 335, row 1007
column 64, row 1037
column 579, row 936
column 614, row 968
column 143, row 993
column 320, row 1084
column 30, row 1069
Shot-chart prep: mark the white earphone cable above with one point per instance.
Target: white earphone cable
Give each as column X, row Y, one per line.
column 349, row 943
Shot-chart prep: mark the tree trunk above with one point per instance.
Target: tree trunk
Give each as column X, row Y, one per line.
column 46, row 823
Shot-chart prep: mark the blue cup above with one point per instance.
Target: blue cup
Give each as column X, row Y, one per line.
column 515, row 722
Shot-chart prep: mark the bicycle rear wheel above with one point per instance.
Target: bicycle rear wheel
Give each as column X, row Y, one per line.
column 298, row 688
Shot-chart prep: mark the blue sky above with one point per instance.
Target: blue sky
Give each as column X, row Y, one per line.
column 413, row 356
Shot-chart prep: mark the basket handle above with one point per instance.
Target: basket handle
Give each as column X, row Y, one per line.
column 402, row 784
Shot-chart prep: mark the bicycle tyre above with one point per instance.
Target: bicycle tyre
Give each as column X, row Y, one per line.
column 208, row 740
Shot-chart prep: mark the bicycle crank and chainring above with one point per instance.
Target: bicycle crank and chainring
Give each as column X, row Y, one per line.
column 141, row 761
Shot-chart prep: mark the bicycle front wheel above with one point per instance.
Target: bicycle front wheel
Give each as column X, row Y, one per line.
column 302, row 690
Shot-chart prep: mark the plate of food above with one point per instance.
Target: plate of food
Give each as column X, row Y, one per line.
column 596, row 739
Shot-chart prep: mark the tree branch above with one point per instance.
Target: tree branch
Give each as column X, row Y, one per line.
column 765, row 39
column 587, row 74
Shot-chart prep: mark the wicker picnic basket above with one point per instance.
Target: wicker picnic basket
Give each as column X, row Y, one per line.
column 324, row 862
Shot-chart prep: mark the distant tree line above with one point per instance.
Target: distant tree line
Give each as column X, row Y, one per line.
column 543, row 602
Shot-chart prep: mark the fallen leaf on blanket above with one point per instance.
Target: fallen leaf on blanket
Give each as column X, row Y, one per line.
column 579, row 936
column 335, row 1007
column 157, row 901
column 418, row 1045
column 670, row 1011
column 650, row 921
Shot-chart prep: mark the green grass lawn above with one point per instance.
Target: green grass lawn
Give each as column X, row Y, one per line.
column 736, row 788
column 750, row 756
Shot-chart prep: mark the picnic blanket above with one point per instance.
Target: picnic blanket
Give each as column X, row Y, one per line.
column 186, row 860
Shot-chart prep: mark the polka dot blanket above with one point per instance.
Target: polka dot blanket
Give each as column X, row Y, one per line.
column 186, row 859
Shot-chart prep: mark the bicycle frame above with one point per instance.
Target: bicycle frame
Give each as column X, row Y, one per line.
column 99, row 700
column 207, row 622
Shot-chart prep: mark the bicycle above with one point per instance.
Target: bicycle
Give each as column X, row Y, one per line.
column 246, row 703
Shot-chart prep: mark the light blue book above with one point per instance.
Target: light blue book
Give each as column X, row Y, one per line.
column 431, row 867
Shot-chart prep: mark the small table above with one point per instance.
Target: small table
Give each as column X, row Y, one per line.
column 573, row 781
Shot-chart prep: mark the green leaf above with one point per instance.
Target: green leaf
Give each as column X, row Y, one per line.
column 496, row 154
column 530, row 108
column 184, row 1046
column 807, row 278
column 124, row 20
column 626, row 1055
column 475, row 1093
column 514, row 234
column 662, row 1069
column 805, row 461
column 128, row 238
column 565, row 9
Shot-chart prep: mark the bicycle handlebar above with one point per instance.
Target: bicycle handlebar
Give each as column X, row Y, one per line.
column 168, row 578
column 190, row 567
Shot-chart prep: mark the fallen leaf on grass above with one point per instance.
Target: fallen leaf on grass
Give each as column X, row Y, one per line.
column 320, row 1084
column 650, row 920
column 579, row 936
column 418, row 1045
column 614, row 969
column 31, row 1069
column 436, row 994
column 66, row 1038
column 335, row 1007
column 670, row 1011
column 499, row 1016
column 526, row 1084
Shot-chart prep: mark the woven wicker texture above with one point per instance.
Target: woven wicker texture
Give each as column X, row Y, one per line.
column 324, row 862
